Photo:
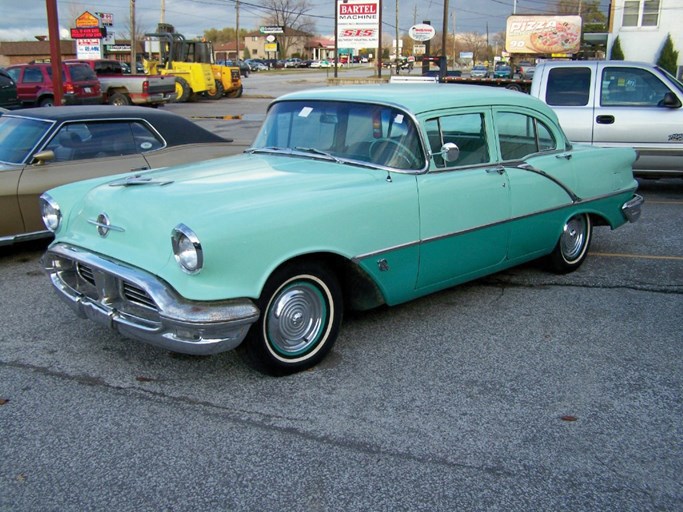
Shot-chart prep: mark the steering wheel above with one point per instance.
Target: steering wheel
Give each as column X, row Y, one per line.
column 380, row 147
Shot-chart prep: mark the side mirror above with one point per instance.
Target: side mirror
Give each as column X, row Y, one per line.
column 43, row 157
column 450, row 152
column 670, row 100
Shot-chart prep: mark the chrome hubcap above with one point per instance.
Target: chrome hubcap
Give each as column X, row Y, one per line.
column 573, row 238
column 296, row 319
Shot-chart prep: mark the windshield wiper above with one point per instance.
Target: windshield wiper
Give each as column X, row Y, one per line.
column 319, row 152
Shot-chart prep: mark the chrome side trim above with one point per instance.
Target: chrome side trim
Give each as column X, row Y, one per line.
column 436, row 238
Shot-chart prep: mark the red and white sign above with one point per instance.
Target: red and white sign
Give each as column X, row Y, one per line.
column 358, row 24
column 421, row 32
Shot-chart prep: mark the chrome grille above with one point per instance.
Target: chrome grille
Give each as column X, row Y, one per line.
column 137, row 295
column 85, row 273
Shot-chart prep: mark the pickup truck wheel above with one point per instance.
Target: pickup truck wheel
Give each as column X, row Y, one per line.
column 301, row 312
column 572, row 247
column 236, row 93
column 514, row 87
column 47, row 102
column 118, row 99
column 217, row 93
column 182, row 90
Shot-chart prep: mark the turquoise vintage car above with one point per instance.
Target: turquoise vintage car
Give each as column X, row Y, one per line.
column 350, row 197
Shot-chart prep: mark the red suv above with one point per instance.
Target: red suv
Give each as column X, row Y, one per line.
column 34, row 84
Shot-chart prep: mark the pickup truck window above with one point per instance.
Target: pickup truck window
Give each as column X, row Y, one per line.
column 520, row 135
column 568, row 87
column 632, row 87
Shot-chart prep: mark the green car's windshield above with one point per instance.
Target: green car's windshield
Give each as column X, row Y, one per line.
column 343, row 131
column 18, row 137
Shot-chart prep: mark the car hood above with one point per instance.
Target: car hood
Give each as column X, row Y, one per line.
column 212, row 198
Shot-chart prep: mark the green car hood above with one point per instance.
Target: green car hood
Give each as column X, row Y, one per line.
column 231, row 203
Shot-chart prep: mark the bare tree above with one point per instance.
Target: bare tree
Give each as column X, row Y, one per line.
column 291, row 14
column 475, row 43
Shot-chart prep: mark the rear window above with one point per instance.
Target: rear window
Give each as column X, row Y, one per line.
column 568, row 87
column 81, row 73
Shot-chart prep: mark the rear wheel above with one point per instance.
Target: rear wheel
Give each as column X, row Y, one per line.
column 48, row 101
column 217, row 92
column 572, row 247
column 235, row 93
column 301, row 312
column 118, row 99
column 182, row 90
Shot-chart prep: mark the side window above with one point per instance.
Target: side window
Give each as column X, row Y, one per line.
column 568, row 87
column 78, row 141
column 14, row 73
column 631, row 87
column 145, row 139
column 520, row 135
column 33, row 76
column 467, row 131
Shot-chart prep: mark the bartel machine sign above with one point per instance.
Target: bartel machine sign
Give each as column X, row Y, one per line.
column 358, row 24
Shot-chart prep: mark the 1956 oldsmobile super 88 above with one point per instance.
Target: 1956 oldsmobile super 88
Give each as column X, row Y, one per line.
column 349, row 198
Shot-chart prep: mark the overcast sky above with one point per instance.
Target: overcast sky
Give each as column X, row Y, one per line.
column 24, row 19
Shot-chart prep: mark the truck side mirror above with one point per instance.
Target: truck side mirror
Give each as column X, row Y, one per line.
column 670, row 100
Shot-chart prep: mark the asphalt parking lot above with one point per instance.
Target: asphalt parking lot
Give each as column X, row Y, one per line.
column 521, row 391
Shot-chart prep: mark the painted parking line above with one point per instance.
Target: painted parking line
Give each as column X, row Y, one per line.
column 664, row 202
column 636, row 256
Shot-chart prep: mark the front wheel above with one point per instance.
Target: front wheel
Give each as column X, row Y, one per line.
column 572, row 247
column 217, row 92
column 301, row 312
column 235, row 93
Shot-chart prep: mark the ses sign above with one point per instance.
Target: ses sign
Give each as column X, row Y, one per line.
column 421, row 32
column 358, row 23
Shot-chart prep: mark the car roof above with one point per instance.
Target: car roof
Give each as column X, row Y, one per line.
column 175, row 129
column 422, row 98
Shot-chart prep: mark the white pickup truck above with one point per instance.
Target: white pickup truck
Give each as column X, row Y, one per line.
column 618, row 103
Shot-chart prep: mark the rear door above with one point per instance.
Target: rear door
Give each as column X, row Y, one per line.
column 630, row 112
column 464, row 205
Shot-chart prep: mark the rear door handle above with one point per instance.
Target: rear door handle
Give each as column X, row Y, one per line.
column 604, row 119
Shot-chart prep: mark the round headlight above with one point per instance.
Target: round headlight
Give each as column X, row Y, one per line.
column 52, row 215
column 187, row 249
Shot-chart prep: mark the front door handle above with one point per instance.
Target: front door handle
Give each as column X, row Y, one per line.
column 604, row 119
column 500, row 170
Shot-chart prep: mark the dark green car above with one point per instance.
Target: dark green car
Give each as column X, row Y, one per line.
column 8, row 91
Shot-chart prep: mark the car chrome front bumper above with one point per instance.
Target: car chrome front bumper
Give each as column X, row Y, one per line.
column 631, row 209
column 141, row 306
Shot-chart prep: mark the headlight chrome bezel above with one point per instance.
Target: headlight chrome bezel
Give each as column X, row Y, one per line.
column 50, row 213
column 187, row 249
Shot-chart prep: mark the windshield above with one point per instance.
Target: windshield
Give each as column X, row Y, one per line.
column 343, row 131
column 18, row 137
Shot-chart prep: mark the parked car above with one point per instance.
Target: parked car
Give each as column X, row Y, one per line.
column 34, row 84
column 8, row 91
column 122, row 89
column 320, row 64
column 479, row 72
column 618, row 103
column 502, row 72
column 349, row 198
column 292, row 62
column 255, row 65
column 44, row 147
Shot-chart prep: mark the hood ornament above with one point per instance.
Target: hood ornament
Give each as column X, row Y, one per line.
column 104, row 225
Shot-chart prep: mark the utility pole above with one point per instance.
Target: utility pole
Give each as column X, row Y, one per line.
column 397, row 41
column 237, row 31
column 162, row 17
column 133, row 57
column 55, row 51
column 444, row 34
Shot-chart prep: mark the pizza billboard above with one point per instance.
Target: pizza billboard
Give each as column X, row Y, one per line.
column 543, row 34
column 358, row 23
